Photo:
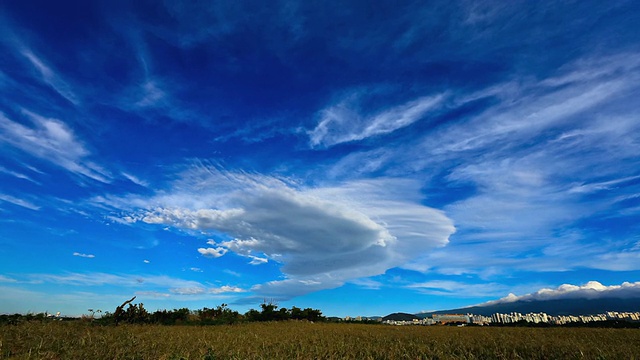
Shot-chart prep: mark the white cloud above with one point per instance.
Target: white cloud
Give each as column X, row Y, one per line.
column 103, row 279
column 212, row 252
column 19, row 300
column 19, row 202
column 627, row 259
column 202, row 290
column 232, row 273
column 195, row 269
column 286, row 289
column 522, row 173
column 321, row 236
column 590, row 290
column 153, row 294
column 90, row 256
column 156, row 96
column 72, row 298
column 601, row 185
column 53, row 141
column 5, row 279
column 527, row 118
column 344, row 122
column 459, row 289
column 50, row 77
column 146, row 261
column 226, row 289
column 148, row 285
column 151, row 95
column 17, row 175
column 367, row 283
column 135, row 179
column 515, row 196
column 257, row 260
column 188, row 291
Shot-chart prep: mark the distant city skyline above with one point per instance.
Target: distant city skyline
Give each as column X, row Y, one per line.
column 361, row 159
column 515, row 317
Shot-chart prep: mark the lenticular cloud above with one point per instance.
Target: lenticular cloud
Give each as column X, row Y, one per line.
column 321, row 236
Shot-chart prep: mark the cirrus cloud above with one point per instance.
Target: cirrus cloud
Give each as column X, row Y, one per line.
column 51, row 140
column 345, row 121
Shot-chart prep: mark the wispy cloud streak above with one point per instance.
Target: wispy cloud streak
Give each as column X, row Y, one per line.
column 545, row 155
column 18, row 175
column 51, row 140
column 20, row 202
column 50, row 77
column 344, row 123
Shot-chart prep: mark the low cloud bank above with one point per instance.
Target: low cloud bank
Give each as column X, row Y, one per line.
column 590, row 290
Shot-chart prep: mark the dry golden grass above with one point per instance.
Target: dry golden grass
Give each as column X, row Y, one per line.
column 300, row 340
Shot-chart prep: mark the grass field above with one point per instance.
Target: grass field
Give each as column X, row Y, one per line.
column 303, row 340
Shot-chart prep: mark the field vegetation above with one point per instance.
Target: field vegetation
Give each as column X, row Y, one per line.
column 295, row 339
column 131, row 332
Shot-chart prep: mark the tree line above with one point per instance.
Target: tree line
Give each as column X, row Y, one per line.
column 222, row 314
column 130, row 313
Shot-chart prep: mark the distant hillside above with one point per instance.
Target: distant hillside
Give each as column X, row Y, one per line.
column 551, row 307
column 400, row 317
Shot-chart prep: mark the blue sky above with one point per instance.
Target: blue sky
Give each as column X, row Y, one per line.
column 360, row 158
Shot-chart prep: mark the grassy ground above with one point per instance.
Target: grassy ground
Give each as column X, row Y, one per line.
column 299, row 340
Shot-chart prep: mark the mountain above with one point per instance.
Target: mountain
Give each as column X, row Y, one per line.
column 400, row 317
column 551, row 307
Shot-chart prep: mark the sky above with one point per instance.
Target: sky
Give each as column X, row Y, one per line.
column 359, row 157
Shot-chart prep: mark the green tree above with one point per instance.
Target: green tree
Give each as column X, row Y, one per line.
column 268, row 311
column 136, row 314
column 220, row 315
